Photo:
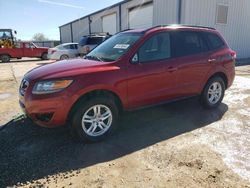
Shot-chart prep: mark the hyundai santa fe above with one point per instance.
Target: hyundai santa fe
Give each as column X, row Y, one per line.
column 131, row 70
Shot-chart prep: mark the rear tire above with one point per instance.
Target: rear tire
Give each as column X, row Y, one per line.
column 5, row 58
column 44, row 56
column 64, row 57
column 213, row 92
column 94, row 119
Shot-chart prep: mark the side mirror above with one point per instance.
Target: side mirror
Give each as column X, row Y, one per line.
column 135, row 59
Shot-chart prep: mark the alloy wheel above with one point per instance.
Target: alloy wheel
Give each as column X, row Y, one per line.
column 214, row 93
column 97, row 120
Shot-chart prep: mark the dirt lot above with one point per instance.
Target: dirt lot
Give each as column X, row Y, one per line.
column 175, row 145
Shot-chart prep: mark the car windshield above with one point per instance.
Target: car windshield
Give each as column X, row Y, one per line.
column 113, row 48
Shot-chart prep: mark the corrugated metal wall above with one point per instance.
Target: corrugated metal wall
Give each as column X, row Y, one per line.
column 125, row 11
column 96, row 20
column 79, row 29
column 193, row 12
column 165, row 12
column 236, row 31
column 65, row 33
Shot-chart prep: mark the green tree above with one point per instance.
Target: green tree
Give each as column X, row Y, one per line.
column 39, row 37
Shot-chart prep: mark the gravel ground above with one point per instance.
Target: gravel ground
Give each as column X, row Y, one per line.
column 174, row 145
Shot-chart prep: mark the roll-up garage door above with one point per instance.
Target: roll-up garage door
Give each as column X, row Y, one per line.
column 141, row 17
column 109, row 23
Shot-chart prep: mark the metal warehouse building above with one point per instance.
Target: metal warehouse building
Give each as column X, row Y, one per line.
column 230, row 17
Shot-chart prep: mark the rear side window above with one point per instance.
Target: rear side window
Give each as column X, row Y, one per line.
column 215, row 41
column 186, row 43
column 156, row 48
column 70, row 46
column 83, row 41
column 67, row 46
column 95, row 40
column 73, row 46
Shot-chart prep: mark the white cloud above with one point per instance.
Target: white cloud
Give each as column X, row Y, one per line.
column 61, row 4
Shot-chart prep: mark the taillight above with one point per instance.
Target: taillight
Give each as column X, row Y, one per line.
column 234, row 55
column 53, row 51
column 87, row 49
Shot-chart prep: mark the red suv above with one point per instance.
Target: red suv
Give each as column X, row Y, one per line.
column 131, row 70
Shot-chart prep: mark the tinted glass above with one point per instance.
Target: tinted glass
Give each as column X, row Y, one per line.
column 95, row 40
column 83, row 41
column 215, row 41
column 72, row 46
column 156, row 48
column 66, row 46
column 186, row 43
column 116, row 46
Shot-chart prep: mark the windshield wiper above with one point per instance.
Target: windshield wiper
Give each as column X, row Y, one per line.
column 93, row 57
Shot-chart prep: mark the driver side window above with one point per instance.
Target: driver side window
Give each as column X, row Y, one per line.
column 155, row 48
column 29, row 45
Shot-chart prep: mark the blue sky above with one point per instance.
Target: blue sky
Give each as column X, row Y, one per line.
column 28, row 17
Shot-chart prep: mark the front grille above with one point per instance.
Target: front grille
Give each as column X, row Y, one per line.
column 23, row 87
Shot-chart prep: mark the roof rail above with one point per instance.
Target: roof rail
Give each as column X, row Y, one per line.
column 198, row 26
column 195, row 26
column 146, row 30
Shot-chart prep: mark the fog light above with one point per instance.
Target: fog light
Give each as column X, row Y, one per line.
column 46, row 117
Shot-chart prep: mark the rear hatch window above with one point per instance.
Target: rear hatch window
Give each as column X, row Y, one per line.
column 95, row 40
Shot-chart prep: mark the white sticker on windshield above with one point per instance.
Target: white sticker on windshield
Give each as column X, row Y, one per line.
column 121, row 46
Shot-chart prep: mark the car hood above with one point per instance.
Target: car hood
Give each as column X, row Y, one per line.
column 69, row 68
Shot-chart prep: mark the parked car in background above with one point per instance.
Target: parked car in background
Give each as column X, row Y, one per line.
column 89, row 42
column 23, row 49
column 131, row 70
column 63, row 51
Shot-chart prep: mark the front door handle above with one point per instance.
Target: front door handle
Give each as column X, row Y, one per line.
column 212, row 60
column 172, row 69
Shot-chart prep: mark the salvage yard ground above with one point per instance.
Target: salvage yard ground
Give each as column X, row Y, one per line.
column 174, row 145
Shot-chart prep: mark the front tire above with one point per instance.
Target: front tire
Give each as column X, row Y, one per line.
column 213, row 92
column 95, row 119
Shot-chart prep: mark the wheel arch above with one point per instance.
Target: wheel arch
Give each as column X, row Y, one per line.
column 218, row 74
column 95, row 93
column 6, row 54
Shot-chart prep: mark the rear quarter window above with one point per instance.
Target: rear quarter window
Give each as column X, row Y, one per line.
column 215, row 42
column 95, row 40
column 83, row 41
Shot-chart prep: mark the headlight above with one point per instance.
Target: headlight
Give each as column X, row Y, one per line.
column 45, row 87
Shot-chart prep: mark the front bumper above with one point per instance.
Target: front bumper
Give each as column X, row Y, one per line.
column 47, row 112
column 53, row 57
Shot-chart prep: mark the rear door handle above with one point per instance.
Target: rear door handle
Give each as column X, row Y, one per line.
column 172, row 69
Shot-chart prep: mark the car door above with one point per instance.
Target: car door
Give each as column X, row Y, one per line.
column 18, row 50
column 191, row 54
column 71, row 50
column 30, row 50
column 152, row 78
